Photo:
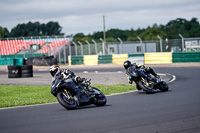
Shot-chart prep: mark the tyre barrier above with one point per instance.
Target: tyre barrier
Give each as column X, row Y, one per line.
column 13, row 72
column 26, row 71
column 20, row 71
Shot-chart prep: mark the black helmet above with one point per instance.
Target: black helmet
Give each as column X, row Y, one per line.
column 54, row 70
column 127, row 64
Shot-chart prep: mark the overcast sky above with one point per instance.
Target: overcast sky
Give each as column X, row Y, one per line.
column 86, row 16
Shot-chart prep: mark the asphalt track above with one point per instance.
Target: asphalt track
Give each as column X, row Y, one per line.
column 175, row 111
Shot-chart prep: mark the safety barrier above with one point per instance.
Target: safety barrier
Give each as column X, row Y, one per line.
column 119, row 58
column 90, row 59
column 158, row 58
column 136, row 58
column 11, row 61
column 186, row 57
column 76, row 60
column 24, row 71
column 23, row 55
column 104, row 59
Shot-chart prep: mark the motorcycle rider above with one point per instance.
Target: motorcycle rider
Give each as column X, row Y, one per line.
column 67, row 74
column 140, row 70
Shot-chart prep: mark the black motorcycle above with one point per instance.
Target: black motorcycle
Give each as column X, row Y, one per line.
column 148, row 84
column 71, row 95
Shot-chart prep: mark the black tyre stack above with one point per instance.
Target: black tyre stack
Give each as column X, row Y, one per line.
column 14, row 72
column 26, row 71
column 20, row 71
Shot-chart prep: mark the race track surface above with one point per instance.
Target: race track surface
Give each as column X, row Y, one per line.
column 175, row 111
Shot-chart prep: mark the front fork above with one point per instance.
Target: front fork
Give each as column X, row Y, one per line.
column 65, row 93
column 145, row 81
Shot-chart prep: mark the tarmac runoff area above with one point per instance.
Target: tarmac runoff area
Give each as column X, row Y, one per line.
column 107, row 78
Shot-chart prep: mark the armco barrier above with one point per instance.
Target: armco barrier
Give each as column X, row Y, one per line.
column 69, row 60
column 6, row 61
column 104, row 59
column 158, row 58
column 186, row 57
column 147, row 58
column 90, row 59
column 136, row 58
column 11, row 61
column 76, row 60
column 19, row 61
column 119, row 58
column 23, row 56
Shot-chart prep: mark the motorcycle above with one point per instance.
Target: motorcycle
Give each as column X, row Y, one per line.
column 71, row 95
column 148, row 84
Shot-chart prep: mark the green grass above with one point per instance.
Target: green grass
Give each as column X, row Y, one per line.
column 29, row 95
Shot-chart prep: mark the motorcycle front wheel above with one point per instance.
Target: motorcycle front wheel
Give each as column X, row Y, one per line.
column 68, row 103
column 100, row 99
column 163, row 86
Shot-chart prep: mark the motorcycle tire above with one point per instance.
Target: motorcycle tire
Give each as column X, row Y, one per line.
column 163, row 86
column 147, row 89
column 13, row 75
column 26, row 67
column 100, row 98
column 138, row 87
column 68, row 104
column 25, row 75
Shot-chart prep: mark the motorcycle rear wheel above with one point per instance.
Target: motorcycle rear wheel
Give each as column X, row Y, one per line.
column 66, row 103
column 145, row 87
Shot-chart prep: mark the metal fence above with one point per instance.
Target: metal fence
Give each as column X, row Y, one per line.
column 93, row 48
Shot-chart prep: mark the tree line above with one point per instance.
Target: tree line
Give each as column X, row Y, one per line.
column 187, row 28
column 32, row 29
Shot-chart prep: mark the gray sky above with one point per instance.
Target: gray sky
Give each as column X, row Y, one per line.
column 86, row 16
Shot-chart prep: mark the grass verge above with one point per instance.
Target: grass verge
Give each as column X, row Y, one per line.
column 29, row 95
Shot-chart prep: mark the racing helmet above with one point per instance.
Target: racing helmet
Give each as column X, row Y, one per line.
column 127, row 64
column 54, row 70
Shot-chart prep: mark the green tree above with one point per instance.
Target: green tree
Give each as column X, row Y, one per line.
column 151, row 33
column 1, row 32
column 111, row 39
column 53, row 28
column 36, row 29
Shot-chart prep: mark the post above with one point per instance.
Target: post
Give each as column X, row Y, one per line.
column 75, row 47
column 81, row 47
column 95, row 44
column 65, row 54
column 88, row 47
column 121, row 43
column 59, row 56
column 70, row 52
column 103, row 46
column 49, row 51
column 182, row 42
column 141, row 43
column 104, row 30
column 160, row 43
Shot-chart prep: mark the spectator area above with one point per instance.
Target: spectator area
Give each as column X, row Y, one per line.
column 55, row 46
column 9, row 47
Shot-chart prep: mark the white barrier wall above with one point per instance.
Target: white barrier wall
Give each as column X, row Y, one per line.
column 137, row 60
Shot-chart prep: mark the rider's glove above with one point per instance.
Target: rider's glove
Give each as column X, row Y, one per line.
column 130, row 82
